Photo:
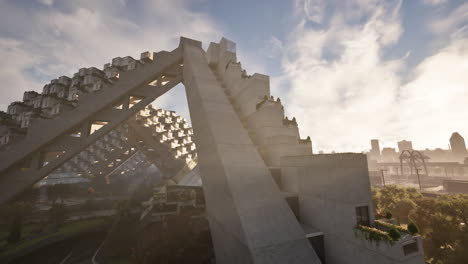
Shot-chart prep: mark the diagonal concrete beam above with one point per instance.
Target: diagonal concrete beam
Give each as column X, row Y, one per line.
column 250, row 221
column 43, row 132
column 13, row 180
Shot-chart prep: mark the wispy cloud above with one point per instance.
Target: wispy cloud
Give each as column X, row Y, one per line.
column 341, row 90
column 46, row 2
column 312, row 10
column 449, row 23
column 344, row 91
column 12, row 75
column 64, row 36
column 335, row 77
column 434, row 2
column 434, row 102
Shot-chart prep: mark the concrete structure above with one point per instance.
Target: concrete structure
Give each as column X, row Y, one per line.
column 440, row 169
column 250, row 221
column 456, row 186
column 405, row 145
column 375, row 149
column 333, row 190
column 167, row 133
column 268, row 198
column 440, row 155
column 389, row 155
column 458, row 146
column 167, row 146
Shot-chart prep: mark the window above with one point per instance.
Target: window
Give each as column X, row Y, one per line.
column 410, row 248
column 362, row 215
column 25, row 123
column 133, row 100
column 96, row 125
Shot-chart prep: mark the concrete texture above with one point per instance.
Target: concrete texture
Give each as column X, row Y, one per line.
column 250, row 221
column 22, row 164
column 250, row 155
column 330, row 187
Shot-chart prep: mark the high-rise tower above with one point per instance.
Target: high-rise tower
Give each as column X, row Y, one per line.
column 405, row 145
column 375, row 149
column 457, row 143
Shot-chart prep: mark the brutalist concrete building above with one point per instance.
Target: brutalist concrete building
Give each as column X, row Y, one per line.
column 269, row 199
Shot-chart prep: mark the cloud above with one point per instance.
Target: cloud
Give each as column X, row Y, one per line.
column 434, row 102
column 335, row 78
column 312, row 9
column 47, row 2
column 434, row 2
column 450, row 22
column 344, row 92
column 273, row 47
column 337, row 75
column 58, row 40
column 12, row 75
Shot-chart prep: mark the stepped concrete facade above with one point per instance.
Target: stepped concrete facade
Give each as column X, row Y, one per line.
column 269, row 199
column 249, row 220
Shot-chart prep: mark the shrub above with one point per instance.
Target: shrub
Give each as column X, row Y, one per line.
column 374, row 234
column 413, row 228
column 394, row 234
column 388, row 215
column 388, row 226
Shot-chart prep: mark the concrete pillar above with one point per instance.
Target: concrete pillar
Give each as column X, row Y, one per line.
column 249, row 219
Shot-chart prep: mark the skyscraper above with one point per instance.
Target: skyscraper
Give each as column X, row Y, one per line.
column 375, row 149
column 457, row 143
column 405, row 145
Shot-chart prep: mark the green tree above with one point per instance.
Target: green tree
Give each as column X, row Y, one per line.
column 398, row 201
column 457, row 207
column 441, row 221
column 459, row 254
column 403, row 208
column 389, row 197
column 442, row 237
column 424, row 211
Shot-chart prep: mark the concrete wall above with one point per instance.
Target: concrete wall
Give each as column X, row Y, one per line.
column 330, row 187
column 249, row 219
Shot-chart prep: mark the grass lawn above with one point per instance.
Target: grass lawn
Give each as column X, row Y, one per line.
column 69, row 229
column 27, row 230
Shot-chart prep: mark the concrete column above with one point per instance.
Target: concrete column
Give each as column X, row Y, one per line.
column 249, row 219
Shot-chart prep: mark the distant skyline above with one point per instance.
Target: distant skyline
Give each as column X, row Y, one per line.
column 349, row 71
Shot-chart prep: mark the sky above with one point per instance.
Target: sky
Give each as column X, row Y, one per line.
column 348, row 70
